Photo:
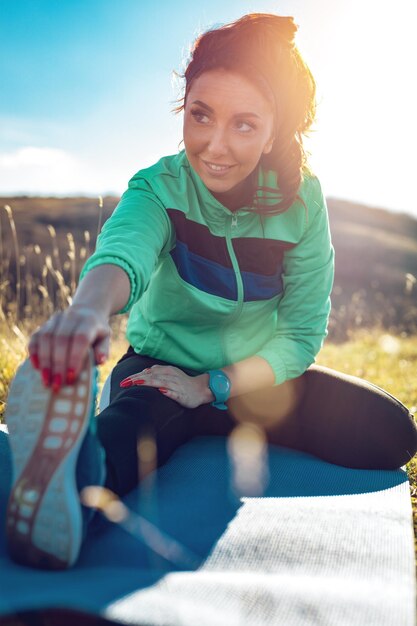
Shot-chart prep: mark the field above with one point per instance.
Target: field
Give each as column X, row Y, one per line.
column 373, row 327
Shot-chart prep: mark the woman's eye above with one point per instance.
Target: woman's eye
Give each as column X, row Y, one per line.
column 202, row 118
column 244, row 126
column 198, row 116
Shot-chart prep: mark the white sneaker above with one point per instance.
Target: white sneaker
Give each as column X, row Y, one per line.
column 44, row 519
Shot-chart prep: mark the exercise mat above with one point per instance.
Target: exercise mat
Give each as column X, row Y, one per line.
column 296, row 542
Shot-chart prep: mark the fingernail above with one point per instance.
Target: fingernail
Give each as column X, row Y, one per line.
column 126, row 383
column 138, row 382
column 101, row 358
column 56, row 384
column 70, row 376
column 46, row 376
column 35, row 360
column 163, row 390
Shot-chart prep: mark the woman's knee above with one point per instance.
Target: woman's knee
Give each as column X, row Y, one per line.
column 394, row 437
column 136, row 409
column 356, row 423
column 123, row 418
column 400, row 438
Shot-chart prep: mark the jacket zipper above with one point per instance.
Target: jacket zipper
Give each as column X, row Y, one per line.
column 232, row 223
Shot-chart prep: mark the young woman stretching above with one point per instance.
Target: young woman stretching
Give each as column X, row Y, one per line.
column 222, row 255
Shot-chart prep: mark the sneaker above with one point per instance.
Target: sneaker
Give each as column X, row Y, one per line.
column 44, row 519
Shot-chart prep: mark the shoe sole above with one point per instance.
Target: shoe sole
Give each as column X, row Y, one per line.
column 46, row 430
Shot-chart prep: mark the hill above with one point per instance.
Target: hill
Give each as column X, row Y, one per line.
column 376, row 267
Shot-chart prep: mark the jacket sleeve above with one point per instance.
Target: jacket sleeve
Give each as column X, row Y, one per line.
column 304, row 309
column 134, row 237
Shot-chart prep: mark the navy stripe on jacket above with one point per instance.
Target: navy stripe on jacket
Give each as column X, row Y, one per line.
column 203, row 260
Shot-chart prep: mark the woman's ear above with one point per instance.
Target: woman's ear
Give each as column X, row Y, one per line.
column 268, row 146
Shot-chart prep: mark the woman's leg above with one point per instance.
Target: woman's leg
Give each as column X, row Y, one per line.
column 339, row 418
column 348, row 421
column 138, row 417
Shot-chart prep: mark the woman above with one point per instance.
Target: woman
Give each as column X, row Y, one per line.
column 222, row 255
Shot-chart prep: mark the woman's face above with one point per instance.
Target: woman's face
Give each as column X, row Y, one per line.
column 228, row 125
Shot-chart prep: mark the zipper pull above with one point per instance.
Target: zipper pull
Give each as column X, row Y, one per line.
column 234, row 220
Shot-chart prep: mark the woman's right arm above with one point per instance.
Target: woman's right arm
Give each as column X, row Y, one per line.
column 112, row 280
column 60, row 346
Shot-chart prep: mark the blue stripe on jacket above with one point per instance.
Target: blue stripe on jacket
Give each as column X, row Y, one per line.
column 218, row 280
column 258, row 287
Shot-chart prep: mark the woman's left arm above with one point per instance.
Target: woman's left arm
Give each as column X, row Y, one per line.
column 303, row 315
column 303, row 312
column 192, row 391
column 304, row 309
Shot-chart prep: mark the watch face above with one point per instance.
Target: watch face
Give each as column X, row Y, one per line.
column 221, row 383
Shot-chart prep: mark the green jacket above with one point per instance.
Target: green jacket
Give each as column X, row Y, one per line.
column 210, row 287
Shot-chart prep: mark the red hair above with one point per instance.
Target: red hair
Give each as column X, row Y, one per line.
column 261, row 47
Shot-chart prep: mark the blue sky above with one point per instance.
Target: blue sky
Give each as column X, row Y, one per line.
column 86, row 91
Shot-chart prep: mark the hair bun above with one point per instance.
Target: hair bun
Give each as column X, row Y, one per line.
column 282, row 27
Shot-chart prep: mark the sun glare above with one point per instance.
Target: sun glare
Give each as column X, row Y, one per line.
column 365, row 102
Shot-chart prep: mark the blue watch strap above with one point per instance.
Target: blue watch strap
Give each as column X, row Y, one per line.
column 219, row 384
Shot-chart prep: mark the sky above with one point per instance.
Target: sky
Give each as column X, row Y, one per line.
column 86, row 91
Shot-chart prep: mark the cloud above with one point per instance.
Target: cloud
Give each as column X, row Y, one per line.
column 101, row 165
column 35, row 157
column 31, row 170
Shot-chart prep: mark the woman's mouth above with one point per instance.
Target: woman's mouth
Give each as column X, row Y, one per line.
column 217, row 168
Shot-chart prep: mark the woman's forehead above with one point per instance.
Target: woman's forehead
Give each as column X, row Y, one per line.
column 220, row 85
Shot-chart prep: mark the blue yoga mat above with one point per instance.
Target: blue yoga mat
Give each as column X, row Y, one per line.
column 321, row 544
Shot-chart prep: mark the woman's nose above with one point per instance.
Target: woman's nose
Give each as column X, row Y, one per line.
column 218, row 144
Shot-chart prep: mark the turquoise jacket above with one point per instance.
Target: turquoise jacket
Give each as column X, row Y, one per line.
column 210, row 287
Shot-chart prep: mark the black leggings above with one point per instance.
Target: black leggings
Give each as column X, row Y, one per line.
column 341, row 419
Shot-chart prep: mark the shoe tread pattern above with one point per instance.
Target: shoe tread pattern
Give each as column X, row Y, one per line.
column 44, row 520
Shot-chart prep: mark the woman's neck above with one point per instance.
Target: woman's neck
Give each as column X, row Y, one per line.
column 235, row 199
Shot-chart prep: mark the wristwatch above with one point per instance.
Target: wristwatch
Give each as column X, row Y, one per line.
column 219, row 384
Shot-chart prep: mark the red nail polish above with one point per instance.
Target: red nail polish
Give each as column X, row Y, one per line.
column 56, row 384
column 138, row 382
column 70, row 376
column 35, row 360
column 126, row 383
column 46, row 376
column 101, row 358
column 163, row 390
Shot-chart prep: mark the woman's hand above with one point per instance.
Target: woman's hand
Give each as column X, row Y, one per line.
column 60, row 346
column 189, row 391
